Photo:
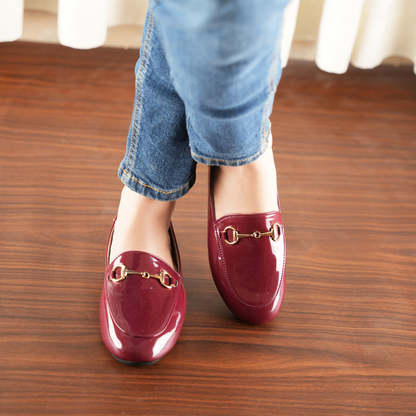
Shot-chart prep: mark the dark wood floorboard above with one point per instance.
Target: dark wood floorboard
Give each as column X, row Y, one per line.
column 345, row 340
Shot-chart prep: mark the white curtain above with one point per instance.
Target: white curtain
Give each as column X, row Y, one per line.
column 363, row 32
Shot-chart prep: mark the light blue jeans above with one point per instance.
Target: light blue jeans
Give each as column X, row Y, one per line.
column 205, row 84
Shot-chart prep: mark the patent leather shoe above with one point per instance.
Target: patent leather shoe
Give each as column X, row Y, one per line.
column 247, row 256
column 143, row 304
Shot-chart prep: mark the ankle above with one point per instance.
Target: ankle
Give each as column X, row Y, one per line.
column 142, row 225
column 247, row 189
column 132, row 204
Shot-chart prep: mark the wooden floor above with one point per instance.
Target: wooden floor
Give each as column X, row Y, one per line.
column 344, row 342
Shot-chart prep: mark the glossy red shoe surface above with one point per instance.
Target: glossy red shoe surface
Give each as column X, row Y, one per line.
column 247, row 256
column 143, row 304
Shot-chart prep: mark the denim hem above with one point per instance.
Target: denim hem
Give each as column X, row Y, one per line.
column 151, row 192
column 240, row 162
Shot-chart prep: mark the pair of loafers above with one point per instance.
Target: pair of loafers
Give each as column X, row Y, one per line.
column 143, row 300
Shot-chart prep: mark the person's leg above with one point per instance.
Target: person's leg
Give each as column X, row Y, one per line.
column 246, row 189
column 143, row 300
column 157, row 168
column 142, row 224
column 225, row 63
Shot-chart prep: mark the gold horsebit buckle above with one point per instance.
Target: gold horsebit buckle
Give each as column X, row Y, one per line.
column 274, row 233
column 124, row 272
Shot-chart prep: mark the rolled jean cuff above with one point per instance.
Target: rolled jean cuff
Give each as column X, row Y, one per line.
column 139, row 186
column 212, row 161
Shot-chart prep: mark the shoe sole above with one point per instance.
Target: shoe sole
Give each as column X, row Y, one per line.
column 135, row 363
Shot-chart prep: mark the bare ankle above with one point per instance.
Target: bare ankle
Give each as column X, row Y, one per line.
column 247, row 189
column 142, row 225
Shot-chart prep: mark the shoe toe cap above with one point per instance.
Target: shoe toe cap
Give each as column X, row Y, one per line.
column 141, row 319
column 141, row 349
column 250, row 275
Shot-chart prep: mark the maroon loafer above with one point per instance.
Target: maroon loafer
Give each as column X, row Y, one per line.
column 143, row 304
column 247, row 256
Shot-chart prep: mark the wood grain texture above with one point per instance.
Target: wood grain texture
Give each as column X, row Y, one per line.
column 345, row 340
